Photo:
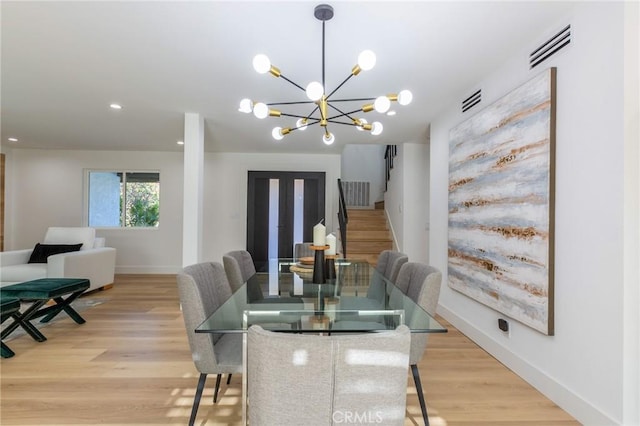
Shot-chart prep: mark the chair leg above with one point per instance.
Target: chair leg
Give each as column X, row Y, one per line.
column 215, row 392
column 196, row 399
column 228, row 378
column 423, row 406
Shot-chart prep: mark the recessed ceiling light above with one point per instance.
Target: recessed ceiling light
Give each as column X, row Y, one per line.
column 115, row 106
column 391, row 113
column 13, row 139
column 180, row 142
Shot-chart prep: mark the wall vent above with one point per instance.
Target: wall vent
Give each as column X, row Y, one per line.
column 550, row 47
column 472, row 101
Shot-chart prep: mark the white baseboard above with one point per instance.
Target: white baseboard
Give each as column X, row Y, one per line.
column 147, row 269
column 565, row 398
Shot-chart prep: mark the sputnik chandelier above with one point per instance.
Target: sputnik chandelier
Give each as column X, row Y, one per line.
column 317, row 95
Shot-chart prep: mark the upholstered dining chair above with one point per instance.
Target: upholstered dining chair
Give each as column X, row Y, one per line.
column 421, row 283
column 388, row 265
column 203, row 287
column 238, row 264
column 302, row 250
column 296, row 379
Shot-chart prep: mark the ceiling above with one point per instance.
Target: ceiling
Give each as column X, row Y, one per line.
column 64, row 63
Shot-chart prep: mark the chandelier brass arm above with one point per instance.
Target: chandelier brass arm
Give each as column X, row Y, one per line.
column 316, row 92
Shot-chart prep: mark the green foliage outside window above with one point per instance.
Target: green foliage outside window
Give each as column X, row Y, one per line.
column 143, row 206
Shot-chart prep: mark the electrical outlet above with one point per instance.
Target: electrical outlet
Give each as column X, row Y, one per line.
column 503, row 325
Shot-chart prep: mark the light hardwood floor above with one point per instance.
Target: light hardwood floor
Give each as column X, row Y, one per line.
column 130, row 364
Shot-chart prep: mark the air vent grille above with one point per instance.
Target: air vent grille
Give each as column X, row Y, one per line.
column 472, row 100
column 550, row 47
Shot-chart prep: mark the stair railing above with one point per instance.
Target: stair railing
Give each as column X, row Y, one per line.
column 389, row 155
column 343, row 219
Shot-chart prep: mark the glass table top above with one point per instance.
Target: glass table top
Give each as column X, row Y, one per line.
column 356, row 299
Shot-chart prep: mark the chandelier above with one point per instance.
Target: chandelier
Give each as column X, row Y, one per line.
column 325, row 108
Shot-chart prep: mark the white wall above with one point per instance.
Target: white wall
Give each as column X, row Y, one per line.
column 580, row 368
column 407, row 201
column 45, row 188
column 365, row 163
column 225, row 209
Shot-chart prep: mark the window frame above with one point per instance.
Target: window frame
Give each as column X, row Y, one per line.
column 86, row 189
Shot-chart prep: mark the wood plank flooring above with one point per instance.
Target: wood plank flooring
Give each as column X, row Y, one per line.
column 130, row 364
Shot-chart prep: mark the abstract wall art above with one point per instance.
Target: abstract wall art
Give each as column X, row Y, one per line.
column 501, row 204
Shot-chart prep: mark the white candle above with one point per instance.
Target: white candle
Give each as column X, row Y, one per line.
column 331, row 241
column 319, row 235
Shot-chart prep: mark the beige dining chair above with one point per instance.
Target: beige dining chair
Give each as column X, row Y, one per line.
column 297, row 379
column 239, row 267
column 238, row 264
column 202, row 288
column 421, row 283
column 302, row 250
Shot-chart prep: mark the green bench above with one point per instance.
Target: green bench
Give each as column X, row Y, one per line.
column 8, row 307
column 39, row 293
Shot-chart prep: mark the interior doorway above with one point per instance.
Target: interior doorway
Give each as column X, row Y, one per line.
column 282, row 208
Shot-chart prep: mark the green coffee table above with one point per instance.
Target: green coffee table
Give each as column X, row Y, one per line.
column 8, row 307
column 39, row 292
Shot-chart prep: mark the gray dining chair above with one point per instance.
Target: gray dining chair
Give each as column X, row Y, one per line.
column 302, row 250
column 421, row 283
column 389, row 263
column 296, row 379
column 238, row 264
column 202, row 288
column 239, row 267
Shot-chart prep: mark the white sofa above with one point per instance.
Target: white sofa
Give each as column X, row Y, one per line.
column 92, row 261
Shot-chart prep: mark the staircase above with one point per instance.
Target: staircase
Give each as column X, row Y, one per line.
column 367, row 234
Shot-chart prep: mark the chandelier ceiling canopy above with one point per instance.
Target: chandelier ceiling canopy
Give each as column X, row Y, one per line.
column 325, row 108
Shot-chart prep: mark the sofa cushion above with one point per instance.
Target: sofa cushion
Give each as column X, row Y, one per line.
column 19, row 273
column 71, row 235
column 41, row 252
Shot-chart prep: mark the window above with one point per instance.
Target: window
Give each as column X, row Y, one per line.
column 123, row 199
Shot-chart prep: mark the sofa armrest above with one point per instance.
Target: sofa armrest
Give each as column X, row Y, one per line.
column 98, row 265
column 15, row 257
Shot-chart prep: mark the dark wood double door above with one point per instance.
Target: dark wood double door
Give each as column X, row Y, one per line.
column 282, row 208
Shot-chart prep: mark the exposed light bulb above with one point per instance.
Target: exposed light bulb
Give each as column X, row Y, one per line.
column 405, row 97
column 362, row 123
column 377, row 128
column 277, row 133
column 261, row 63
column 382, row 104
column 301, row 124
column 328, row 138
column 315, row 91
column 260, row 110
column 366, row 60
column 245, row 106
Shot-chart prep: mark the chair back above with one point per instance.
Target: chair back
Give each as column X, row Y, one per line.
column 302, row 250
column 202, row 287
column 421, row 283
column 296, row 379
column 390, row 262
column 238, row 265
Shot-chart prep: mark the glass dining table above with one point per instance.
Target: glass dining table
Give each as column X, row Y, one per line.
column 355, row 298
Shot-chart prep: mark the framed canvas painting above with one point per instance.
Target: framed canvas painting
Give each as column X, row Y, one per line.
column 501, row 204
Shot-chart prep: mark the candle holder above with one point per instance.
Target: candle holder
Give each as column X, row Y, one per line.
column 330, row 267
column 318, row 264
